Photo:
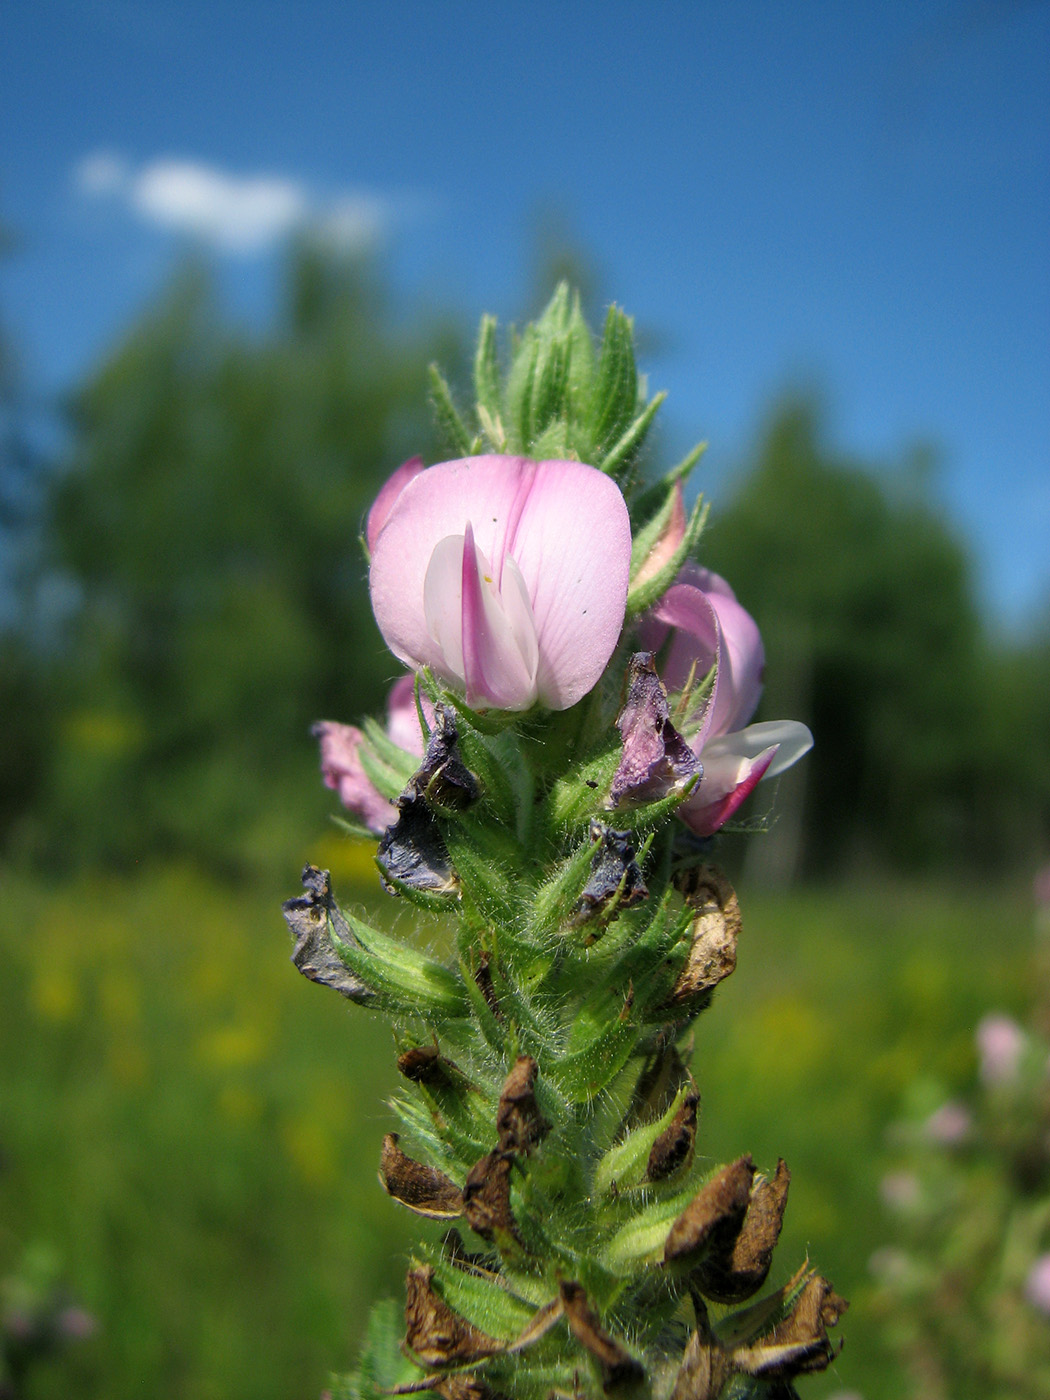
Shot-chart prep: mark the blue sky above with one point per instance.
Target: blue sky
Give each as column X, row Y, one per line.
column 853, row 195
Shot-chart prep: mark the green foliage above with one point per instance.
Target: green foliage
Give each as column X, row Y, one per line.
column 196, row 1132
column 864, row 595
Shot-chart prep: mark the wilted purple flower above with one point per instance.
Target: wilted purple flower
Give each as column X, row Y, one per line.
column 702, row 625
column 1037, row 1284
column 507, row 577
column 949, row 1125
column 341, row 765
column 1000, row 1044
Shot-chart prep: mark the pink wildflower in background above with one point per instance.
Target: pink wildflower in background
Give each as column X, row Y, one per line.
column 1037, row 1284
column 949, row 1125
column 1000, row 1044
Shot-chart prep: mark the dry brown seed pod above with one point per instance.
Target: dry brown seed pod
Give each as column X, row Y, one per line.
column 436, row 1334
column 737, row 1271
column 617, row 1364
column 716, row 929
column 713, row 1216
column 704, row 1371
column 422, row 1189
column 673, row 1149
column 799, row 1345
column 519, row 1122
column 486, row 1196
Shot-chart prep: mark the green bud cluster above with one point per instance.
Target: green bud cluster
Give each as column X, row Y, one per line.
column 547, row 1107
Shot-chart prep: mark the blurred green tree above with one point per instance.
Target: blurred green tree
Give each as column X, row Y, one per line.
column 207, row 518
column 24, row 695
column 865, row 599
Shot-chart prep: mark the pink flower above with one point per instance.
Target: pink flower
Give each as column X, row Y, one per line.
column 341, row 765
column 1000, row 1044
column 1037, row 1284
column 703, row 625
column 900, row 1190
column 949, row 1125
column 507, row 577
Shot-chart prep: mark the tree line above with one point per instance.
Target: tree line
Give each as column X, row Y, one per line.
column 191, row 595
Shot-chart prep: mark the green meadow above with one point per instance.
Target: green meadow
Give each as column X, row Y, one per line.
column 194, row 1130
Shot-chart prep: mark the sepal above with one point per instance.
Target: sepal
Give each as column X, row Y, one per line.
column 626, row 1164
column 653, row 585
column 401, row 979
column 450, row 425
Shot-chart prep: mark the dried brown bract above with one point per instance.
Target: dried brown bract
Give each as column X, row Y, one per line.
column 673, row 1149
column 716, row 928
column 714, row 1215
column 422, row 1189
column 486, row 1196
column 519, row 1123
column 310, row 917
column 737, row 1271
column 618, row 1366
column 436, row 1334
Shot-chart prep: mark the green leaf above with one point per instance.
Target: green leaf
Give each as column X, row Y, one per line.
column 398, row 973
column 641, row 1240
column 355, row 830
column 614, row 396
column 580, row 382
column 643, row 595
column 397, row 759
column 520, row 382
column 483, row 1302
column 581, row 793
column 494, row 892
column 486, row 369
column 382, row 1366
column 650, row 500
column 623, row 452
column 450, row 424
column 583, row 1072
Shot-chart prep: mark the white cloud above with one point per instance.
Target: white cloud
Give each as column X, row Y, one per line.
column 242, row 214
column 239, row 214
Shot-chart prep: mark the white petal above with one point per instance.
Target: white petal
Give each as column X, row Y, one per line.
column 443, row 603
column 791, row 738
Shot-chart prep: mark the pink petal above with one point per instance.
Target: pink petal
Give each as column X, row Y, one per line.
column 563, row 524
column 402, row 720
column 791, row 738
column 734, row 765
column 384, row 502
column 712, row 805
column 709, row 625
column 342, row 770
column 663, row 550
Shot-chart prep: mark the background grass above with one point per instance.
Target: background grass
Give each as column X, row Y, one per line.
column 196, row 1129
